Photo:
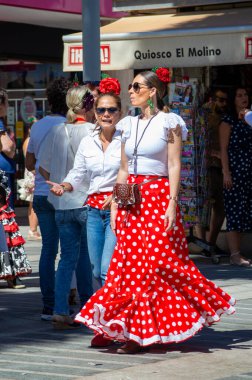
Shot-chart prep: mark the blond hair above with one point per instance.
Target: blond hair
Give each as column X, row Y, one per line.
column 74, row 100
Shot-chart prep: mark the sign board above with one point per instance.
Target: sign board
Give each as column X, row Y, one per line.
column 28, row 108
column 133, row 5
column 75, row 56
column 248, row 49
column 181, row 51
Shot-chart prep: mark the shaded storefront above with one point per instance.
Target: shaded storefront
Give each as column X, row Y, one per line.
column 207, row 45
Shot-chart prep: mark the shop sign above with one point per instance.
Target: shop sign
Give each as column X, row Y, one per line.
column 248, row 52
column 28, row 108
column 133, row 5
column 76, row 55
column 182, row 51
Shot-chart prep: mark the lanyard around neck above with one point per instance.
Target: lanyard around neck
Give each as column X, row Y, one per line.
column 138, row 142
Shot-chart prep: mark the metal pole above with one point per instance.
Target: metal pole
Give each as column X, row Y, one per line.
column 91, row 40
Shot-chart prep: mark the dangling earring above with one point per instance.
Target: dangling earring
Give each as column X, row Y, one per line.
column 150, row 104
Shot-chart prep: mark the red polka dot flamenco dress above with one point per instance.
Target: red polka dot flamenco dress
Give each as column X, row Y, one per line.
column 153, row 293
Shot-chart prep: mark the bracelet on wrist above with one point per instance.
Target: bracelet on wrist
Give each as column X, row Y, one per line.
column 173, row 198
column 63, row 187
column 114, row 202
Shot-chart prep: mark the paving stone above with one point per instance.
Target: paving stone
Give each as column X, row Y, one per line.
column 31, row 349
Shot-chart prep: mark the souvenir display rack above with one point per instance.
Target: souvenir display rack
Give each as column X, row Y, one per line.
column 194, row 201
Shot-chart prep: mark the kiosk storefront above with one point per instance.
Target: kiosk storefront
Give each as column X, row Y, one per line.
column 212, row 47
column 189, row 41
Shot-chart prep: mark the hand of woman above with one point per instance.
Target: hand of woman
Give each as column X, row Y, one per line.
column 227, row 181
column 107, row 203
column 113, row 215
column 242, row 113
column 170, row 216
column 56, row 188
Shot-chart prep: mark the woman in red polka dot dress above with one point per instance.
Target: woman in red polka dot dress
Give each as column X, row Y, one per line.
column 153, row 292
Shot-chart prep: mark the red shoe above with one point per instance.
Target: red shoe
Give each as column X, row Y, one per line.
column 100, row 341
column 130, row 347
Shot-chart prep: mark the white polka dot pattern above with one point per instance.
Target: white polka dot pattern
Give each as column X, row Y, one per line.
column 153, row 292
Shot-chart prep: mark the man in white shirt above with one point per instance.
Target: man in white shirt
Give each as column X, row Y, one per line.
column 56, row 94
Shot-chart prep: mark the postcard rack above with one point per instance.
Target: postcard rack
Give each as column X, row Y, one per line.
column 194, row 201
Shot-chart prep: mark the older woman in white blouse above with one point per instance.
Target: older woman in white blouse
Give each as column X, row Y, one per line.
column 98, row 157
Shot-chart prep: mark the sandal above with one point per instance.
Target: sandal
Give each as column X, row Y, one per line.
column 130, row 347
column 240, row 261
column 33, row 235
column 64, row 322
column 15, row 283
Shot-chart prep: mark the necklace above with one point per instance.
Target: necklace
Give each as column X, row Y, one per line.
column 138, row 142
column 80, row 118
column 101, row 138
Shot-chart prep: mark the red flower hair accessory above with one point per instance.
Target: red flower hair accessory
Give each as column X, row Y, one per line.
column 110, row 85
column 163, row 74
column 75, row 82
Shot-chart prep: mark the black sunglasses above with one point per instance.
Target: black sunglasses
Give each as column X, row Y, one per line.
column 102, row 110
column 136, row 86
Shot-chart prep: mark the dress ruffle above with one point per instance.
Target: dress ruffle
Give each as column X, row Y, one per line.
column 153, row 292
column 14, row 262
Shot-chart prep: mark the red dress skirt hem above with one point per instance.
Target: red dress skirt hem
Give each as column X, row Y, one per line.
column 153, row 292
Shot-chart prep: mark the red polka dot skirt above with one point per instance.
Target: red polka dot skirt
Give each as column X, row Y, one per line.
column 153, row 292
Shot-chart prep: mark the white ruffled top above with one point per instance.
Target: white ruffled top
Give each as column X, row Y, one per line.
column 152, row 152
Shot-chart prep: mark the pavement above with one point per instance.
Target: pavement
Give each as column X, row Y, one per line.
column 31, row 349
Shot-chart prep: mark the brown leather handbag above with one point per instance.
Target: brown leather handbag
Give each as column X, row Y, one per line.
column 125, row 194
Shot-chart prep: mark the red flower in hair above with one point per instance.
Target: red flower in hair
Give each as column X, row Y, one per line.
column 163, row 74
column 110, row 85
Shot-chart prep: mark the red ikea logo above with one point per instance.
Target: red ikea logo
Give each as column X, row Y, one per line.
column 76, row 55
column 248, row 49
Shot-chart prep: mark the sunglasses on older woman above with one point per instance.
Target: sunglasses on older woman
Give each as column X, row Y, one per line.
column 136, row 86
column 102, row 110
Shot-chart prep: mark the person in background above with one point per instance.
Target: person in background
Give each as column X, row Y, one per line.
column 56, row 159
column 56, row 95
column 236, row 153
column 4, row 252
column 13, row 263
column 99, row 157
column 153, row 292
column 26, row 190
column 7, row 164
column 214, row 110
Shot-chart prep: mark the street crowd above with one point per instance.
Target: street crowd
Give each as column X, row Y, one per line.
column 107, row 191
